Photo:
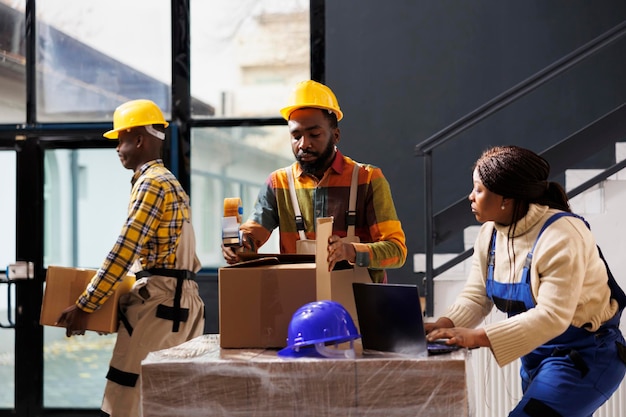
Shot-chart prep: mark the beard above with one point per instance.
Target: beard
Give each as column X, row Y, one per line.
column 322, row 161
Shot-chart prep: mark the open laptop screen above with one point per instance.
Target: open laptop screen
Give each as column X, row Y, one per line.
column 390, row 318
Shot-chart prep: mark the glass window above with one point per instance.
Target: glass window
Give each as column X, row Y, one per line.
column 246, row 55
column 94, row 55
column 229, row 163
column 12, row 64
column 7, row 256
column 86, row 195
column 86, row 200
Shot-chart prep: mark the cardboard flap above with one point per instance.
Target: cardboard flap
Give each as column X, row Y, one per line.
column 335, row 285
column 283, row 258
column 270, row 260
column 323, row 231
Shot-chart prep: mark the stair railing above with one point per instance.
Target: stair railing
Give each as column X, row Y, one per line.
column 426, row 148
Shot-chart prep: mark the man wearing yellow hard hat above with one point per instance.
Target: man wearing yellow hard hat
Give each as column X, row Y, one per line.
column 157, row 243
column 323, row 182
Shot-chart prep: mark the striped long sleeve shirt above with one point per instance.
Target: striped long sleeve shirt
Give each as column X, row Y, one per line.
column 377, row 225
column 158, row 206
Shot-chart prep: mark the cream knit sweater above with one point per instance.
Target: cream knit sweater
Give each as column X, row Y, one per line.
column 568, row 281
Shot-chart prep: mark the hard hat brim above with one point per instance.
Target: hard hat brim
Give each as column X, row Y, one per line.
column 303, row 352
column 286, row 111
column 111, row 134
column 114, row 133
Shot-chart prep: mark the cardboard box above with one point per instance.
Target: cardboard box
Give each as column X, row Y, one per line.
column 63, row 287
column 256, row 303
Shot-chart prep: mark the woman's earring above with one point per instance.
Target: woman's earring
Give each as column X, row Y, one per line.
column 502, row 207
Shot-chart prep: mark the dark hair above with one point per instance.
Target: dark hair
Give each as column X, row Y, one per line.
column 331, row 117
column 520, row 174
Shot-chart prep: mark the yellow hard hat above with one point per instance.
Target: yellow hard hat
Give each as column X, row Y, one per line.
column 312, row 94
column 135, row 113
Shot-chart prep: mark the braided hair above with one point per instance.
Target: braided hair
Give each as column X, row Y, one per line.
column 522, row 175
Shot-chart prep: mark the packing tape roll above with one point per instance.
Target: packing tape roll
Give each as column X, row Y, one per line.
column 233, row 208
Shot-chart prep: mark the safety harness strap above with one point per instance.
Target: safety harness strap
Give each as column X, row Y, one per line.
column 127, row 379
column 122, row 317
column 350, row 215
column 175, row 313
column 294, row 203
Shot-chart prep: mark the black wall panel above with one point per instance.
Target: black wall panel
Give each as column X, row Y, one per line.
column 404, row 69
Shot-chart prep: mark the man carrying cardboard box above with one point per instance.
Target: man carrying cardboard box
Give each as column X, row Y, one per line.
column 157, row 243
column 325, row 183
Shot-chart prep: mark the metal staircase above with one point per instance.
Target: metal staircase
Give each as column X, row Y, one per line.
column 593, row 137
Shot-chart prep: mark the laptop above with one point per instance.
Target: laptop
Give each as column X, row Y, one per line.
column 390, row 320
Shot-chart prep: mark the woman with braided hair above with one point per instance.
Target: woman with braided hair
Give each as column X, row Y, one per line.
column 538, row 262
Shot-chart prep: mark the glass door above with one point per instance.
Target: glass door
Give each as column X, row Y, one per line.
column 85, row 196
column 7, row 289
column 61, row 198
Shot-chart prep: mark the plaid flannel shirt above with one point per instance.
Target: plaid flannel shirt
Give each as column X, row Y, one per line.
column 377, row 225
column 158, row 206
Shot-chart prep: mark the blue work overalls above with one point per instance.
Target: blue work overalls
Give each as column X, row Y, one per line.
column 573, row 374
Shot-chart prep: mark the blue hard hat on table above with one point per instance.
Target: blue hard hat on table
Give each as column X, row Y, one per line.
column 316, row 325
